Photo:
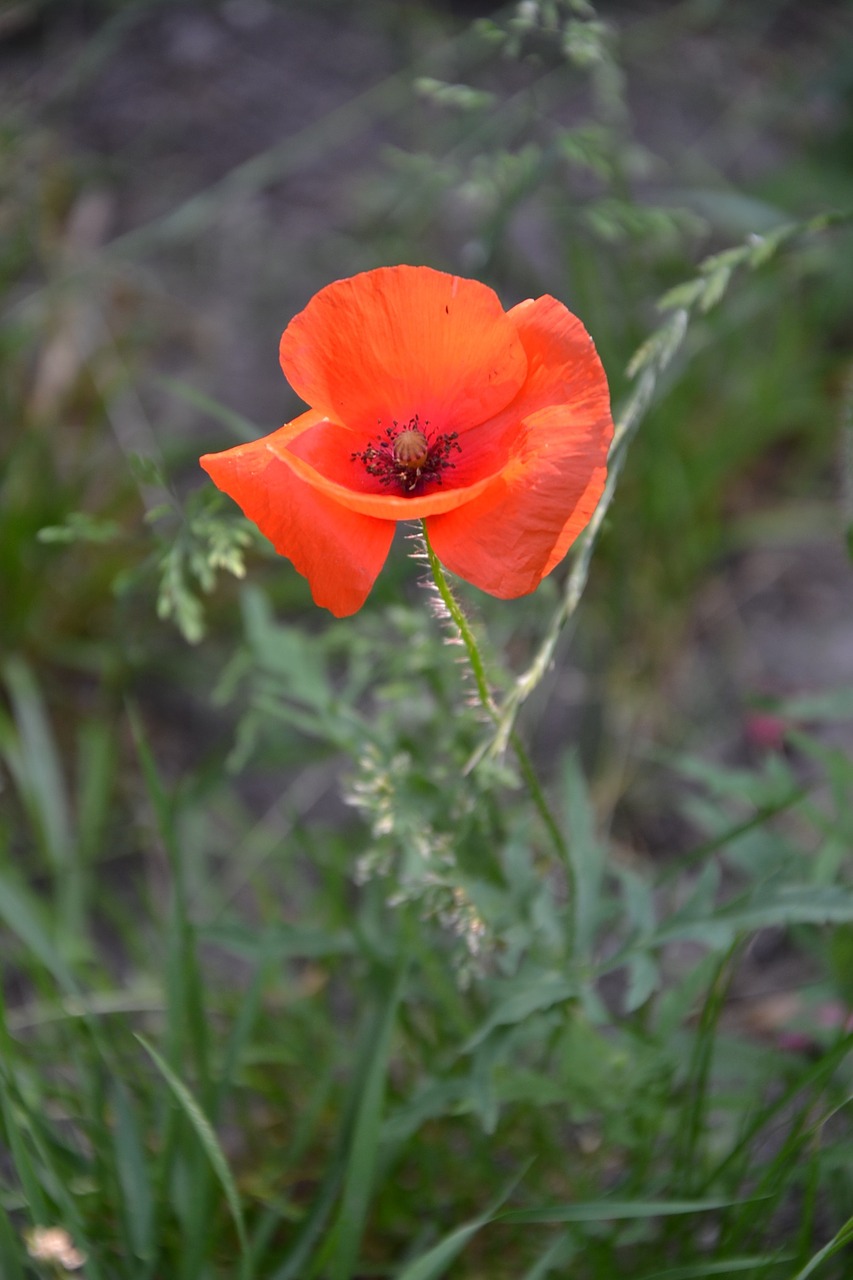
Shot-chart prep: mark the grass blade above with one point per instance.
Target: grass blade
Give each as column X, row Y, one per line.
column 187, row 1020
column 433, row 1264
column 11, row 1267
column 727, row 1267
column 839, row 1241
column 361, row 1164
column 340, row 1167
column 19, row 914
column 242, row 428
column 587, row 859
column 558, row 1254
column 209, row 1143
column 133, row 1175
column 18, row 1149
column 605, row 1210
column 294, row 1265
column 243, row 1024
column 38, row 772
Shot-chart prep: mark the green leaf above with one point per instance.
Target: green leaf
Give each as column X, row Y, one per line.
column 724, row 261
column 841, row 961
column 839, row 1241
column 79, row 526
column 558, row 1254
column 132, row 1174
column 715, row 287
column 683, row 295
column 241, row 427
column 457, row 97
column 433, row 1264
column 728, row 1266
column 11, row 1267
column 282, row 941
column 22, row 917
column 361, row 1162
column 34, row 761
column 660, row 346
column 606, row 1210
column 534, row 991
column 209, row 1144
column 643, row 980
column 146, row 471
column 244, row 1023
column 96, row 772
column 790, row 904
column 836, row 704
column 175, row 599
column 434, row 1098
column 17, row 1136
column 287, row 653
column 296, row 1264
column 587, row 858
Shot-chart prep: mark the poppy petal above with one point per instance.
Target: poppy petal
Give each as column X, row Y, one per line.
column 399, row 341
column 339, row 551
column 506, row 540
column 562, row 364
column 558, row 430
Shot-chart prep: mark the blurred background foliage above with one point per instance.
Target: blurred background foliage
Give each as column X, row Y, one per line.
column 381, row 1000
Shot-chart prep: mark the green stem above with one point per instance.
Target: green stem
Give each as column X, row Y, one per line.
column 535, row 788
column 461, row 623
column 479, row 672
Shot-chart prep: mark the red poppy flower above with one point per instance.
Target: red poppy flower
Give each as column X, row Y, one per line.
column 429, row 401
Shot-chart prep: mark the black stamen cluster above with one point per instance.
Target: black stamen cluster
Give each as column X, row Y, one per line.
column 411, row 469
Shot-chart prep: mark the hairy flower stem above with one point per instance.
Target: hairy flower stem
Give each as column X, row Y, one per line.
column 461, row 623
column 478, row 670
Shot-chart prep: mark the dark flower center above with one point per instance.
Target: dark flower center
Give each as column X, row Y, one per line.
column 408, row 455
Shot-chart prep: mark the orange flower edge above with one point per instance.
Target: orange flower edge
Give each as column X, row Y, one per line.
column 429, row 401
